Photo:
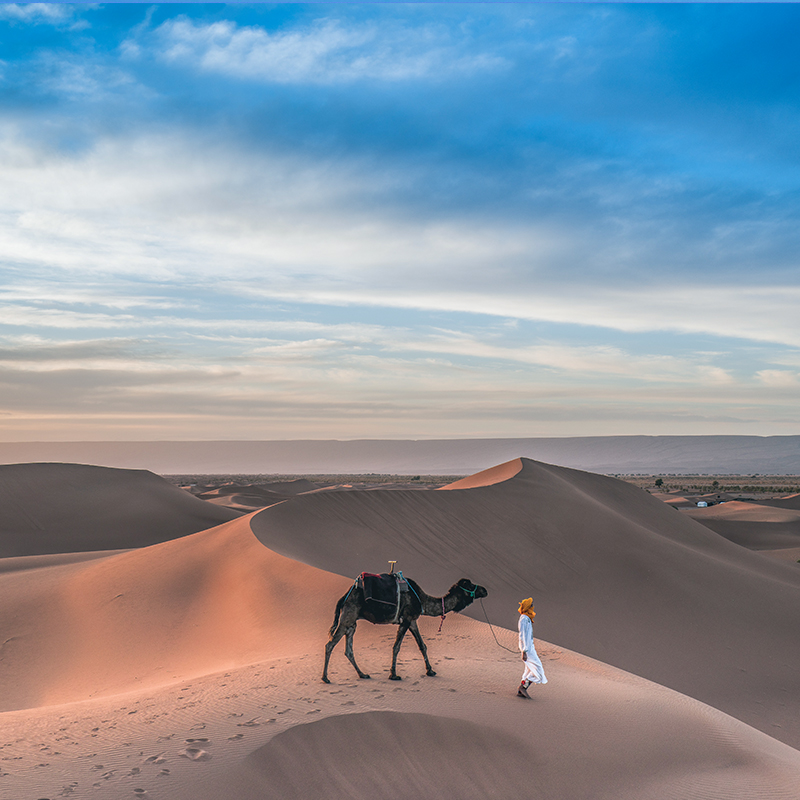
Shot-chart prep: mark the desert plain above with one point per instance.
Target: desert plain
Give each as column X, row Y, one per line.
column 157, row 642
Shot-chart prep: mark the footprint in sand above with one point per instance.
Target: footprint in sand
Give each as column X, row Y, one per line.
column 236, row 737
column 158, row 759
column 195, row 754
column 196, row 741
column 140, row 792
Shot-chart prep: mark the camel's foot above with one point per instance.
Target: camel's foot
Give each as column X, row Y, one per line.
column 430, row 673
column 364, row 676
column 395, row 678
column 325, row 679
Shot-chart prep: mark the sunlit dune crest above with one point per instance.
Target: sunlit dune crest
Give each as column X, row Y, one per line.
column 488, row 477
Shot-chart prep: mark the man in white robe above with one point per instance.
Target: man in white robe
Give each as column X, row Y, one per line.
column 534, row 671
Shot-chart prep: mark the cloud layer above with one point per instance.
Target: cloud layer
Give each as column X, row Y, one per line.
column 398, row 221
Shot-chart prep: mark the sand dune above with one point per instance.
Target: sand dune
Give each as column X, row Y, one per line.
column 790, row 554
column 790, row 501
column 151, row 616
column 754, row 525
column 616, row 575
column 246, row 497
column 189, row 669
column 746, row 512
column 272, row 729
column 65, row 508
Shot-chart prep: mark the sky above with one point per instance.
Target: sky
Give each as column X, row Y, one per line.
column 348, row 221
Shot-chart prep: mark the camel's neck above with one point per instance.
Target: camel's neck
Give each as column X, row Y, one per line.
column 433, row 606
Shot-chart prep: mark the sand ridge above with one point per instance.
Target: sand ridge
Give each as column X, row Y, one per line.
column 488, row 477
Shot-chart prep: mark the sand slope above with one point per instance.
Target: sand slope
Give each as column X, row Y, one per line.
column 272, row 729
column 151, row 616
column 61, row 508
column 615, row 574
column 754, row 525
column 790, row 501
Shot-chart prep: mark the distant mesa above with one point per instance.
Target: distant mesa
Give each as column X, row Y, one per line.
column 605, row 454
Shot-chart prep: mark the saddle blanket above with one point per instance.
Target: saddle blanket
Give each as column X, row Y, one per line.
column 384, row 588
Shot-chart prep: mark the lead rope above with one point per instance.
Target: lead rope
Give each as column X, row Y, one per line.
column 492, row 629
column 442, row 621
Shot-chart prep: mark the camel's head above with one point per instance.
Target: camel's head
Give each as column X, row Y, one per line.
column 469, row 591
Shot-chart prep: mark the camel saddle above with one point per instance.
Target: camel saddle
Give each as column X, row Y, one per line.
column 382, row 593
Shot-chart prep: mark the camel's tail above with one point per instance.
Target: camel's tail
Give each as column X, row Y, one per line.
column 337, row 613
column 339, row 605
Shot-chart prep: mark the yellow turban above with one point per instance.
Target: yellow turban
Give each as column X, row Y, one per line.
column 526, row 608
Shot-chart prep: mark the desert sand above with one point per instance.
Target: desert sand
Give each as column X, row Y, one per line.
column 767, row 525
column 67, row 508
column 189, row 667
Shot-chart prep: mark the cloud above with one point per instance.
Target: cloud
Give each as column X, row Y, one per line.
column 184, row 211
column 52, row 13
column 35, row 351
column 85, row 79
column 779, row 378
column 325, row 51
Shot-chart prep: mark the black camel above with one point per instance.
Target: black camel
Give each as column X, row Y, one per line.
column 413, row 604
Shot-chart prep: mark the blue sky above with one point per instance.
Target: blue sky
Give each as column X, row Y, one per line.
column 398, row 221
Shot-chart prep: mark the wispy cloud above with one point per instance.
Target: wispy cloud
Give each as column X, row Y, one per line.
column 325, row 51
column 177, row 209
column 52, row 13
column 779, row 378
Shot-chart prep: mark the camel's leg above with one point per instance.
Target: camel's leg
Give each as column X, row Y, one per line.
column 332, row 642
column 348, row 650
column 401, row 632
column 422, row 648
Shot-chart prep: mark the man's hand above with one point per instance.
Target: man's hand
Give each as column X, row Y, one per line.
column 524, row 656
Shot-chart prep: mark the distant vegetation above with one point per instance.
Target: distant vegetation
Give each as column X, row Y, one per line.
column 696, row 484
column 707, row 484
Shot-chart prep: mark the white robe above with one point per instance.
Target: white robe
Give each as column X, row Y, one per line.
column 534, row 671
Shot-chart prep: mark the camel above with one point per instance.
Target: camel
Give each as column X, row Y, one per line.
column 353, row 607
